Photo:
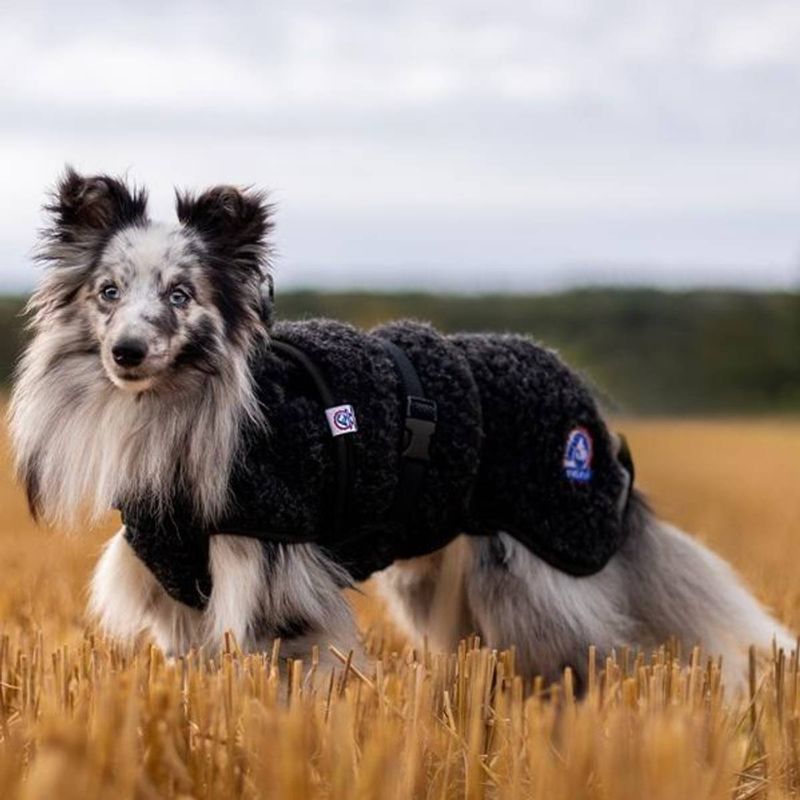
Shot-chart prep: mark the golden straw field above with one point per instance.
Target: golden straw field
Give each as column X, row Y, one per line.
column 80, row 718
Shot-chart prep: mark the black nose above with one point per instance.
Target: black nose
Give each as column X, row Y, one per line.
column 129, row 352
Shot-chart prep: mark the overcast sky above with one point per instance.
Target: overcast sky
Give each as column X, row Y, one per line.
column 446, row 145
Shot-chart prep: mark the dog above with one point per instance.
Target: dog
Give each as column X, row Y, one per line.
column 139, row 381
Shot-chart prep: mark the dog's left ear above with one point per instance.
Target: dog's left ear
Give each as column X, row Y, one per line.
column 233, row 222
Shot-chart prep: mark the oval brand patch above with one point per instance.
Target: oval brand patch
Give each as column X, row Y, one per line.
column 578, row 455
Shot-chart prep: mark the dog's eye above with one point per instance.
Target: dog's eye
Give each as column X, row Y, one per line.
column 178, row 298
column 110, row 293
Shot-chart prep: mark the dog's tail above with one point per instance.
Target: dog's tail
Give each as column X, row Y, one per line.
column 679, row 586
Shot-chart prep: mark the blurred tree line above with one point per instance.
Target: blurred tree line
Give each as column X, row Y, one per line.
column 647, row 351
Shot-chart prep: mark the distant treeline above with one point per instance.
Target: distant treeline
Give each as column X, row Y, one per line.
column 647, row 351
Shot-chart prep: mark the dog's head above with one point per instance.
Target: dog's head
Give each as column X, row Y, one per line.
column 153, row 303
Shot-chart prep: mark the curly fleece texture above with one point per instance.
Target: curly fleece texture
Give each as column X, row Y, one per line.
column 506, row 407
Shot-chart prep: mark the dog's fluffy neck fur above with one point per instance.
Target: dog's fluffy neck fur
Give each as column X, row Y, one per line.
column 83, row 443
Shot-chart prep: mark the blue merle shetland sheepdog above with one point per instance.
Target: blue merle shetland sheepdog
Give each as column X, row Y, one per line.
column 138, row 377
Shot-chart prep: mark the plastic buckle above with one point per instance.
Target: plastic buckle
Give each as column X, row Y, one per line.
column 420, row 426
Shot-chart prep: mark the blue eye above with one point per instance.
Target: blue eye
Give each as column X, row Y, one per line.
column 178, row 298
column 110, row 293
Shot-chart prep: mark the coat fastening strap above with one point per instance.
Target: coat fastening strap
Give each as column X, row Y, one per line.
column 341, row 444
column 626, row 460
column 420, row 427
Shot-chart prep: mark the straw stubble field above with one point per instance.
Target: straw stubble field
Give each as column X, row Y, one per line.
column 80, row 718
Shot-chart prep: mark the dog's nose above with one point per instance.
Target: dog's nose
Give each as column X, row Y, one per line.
column 129, row 352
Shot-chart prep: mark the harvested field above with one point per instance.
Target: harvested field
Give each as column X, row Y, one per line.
column 80, row 718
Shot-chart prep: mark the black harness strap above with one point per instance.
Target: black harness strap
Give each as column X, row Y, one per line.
column 626, row 460
column 420, row 426
column 341, row 444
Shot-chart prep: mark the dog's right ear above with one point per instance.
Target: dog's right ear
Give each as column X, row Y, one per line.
column 83, row 213
column 85, row 209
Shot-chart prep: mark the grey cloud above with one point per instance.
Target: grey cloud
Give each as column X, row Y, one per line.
column 432, row 140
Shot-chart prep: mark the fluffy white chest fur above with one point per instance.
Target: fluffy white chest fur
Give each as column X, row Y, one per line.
column 136, row 380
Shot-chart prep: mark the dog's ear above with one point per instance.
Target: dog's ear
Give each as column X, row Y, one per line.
column 233, row 222
column 83, row 213
column 88, row 208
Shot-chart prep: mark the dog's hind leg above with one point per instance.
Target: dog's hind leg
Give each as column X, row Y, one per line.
column 426, row 595
column 549, row 617
column 677, row 587
column 661, row 584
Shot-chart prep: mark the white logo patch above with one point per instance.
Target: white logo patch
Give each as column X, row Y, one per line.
column 341, row 420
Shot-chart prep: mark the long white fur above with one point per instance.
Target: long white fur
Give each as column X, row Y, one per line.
column 93, row 438
column 94, row 442
column 661, row 584
column 127, row 600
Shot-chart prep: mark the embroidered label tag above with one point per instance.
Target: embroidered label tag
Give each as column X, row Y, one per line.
column 578, row 455
column 341, row 420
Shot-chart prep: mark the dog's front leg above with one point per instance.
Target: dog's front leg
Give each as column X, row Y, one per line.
column 123, row 591
column 127, row 600
column 262, row 592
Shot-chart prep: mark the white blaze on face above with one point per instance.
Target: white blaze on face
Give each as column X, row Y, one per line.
column 135, row 287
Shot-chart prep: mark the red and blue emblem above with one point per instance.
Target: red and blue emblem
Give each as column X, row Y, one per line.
column 578, row 455
column 341, row 420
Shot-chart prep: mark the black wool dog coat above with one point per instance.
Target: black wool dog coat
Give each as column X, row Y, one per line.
column 504, row 438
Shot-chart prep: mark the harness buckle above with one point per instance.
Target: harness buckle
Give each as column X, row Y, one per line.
column 421, row 414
